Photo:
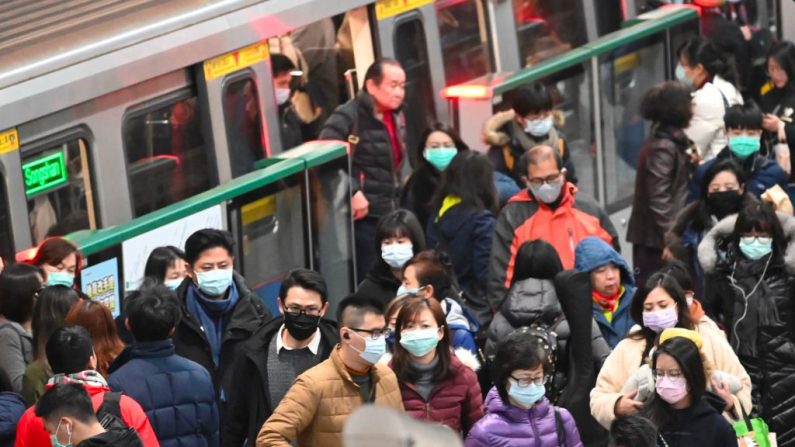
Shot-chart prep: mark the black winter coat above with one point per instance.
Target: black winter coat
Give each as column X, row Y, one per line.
column 777, row 101
column 379, row 283
column 190, row 342
column 372, row 167
column 114, row 438
column 699, row 425
column 249, row 398
column 419, row 190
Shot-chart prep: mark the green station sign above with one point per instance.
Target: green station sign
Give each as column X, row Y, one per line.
column 44, row 173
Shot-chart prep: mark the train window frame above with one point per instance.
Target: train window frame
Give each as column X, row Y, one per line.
column 488, row 45
column 7, row 248
column 242, row 75
column 48, row 142
column 133, row 111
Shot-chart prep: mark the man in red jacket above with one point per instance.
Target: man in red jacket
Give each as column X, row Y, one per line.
column 69, row 352
column 549, row 209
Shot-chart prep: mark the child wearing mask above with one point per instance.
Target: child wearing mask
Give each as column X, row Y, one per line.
column 517, row 412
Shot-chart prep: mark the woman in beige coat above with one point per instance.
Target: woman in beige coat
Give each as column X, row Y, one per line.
column 660, row 305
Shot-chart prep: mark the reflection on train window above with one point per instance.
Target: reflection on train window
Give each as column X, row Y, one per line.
column 465, row 48
column 58, row 188
column 167, row 160
column 547, row 28
column 243, row 125
column 411, row 51
column 273, row 236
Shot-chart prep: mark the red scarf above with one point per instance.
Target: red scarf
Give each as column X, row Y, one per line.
column 608, row 303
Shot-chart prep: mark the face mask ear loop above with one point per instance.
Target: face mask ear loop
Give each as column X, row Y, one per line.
column 746, row 297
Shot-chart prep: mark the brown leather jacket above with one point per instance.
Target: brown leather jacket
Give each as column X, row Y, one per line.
column 316, row 407
column 660, row 187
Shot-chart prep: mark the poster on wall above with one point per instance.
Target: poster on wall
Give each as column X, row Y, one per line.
column 101, row 283
column 135, row 251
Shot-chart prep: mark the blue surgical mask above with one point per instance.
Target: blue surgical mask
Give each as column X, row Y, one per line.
column 373, row 349
column 525, row 396
column 173, row 284
column 756, row 247
column 54, row 438
column 214, row 282
column 681, row 76
column 743, row 146
column 420, row 341
column 540, row 127
column 60, row 279
column 440, row 157
column 397, row 255
column 403, row 290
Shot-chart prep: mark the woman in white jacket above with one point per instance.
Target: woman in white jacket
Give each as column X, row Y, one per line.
column 713, row 79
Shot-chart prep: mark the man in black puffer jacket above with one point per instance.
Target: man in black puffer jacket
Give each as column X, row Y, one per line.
column 375, row 127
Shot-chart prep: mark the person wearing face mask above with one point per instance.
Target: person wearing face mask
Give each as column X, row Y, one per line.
column 778, row 103
column 663, row 174
column 282, row 69
column 68, row 415
column 435, row 384
column 660, row 305
column 530, row 122
column 60, row 260
column 278, row 352
column 315, row 408
column 680, row 272
column 219, row 311
column 517, row 412
column 399, row 237
column 686, row 414
column 744, row 130
column 548, row 209
column 722, row 193
column 436, row 149
column 713, row 79
column 753, row 295
column 166, row 265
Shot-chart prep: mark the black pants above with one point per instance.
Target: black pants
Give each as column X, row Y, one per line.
column 366, row 251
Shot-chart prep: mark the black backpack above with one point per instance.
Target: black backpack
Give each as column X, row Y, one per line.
column 109, row 412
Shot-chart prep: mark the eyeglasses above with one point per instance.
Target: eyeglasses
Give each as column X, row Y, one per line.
column 673, row 374
column 374, row 334
column 538, row 381
column 537, row 182
column 295, row 311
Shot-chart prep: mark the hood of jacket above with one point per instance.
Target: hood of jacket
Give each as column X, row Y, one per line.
column 531, row 300
column 115, row 438
column 454, row 314
column 494, row 134
column 592, row 253
column 708, row 254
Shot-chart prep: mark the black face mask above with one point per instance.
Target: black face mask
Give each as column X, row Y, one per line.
column 723, row 203
column 302, row 326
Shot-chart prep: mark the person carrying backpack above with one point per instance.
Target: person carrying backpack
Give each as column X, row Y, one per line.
column 71, row 357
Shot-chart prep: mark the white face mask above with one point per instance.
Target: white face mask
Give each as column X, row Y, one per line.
column 282, row 95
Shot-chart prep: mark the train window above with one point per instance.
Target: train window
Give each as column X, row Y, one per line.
column 547, row 28
column 167, row 158
column 411, row 51
column 58, row 188
column 465, row 46
column 6, row 238
column 243, row 125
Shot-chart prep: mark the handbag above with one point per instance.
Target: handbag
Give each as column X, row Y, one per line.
column 753, row 432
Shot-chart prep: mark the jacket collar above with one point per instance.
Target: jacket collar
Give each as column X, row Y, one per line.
column 339, row 365
column 495, row 404
column 153, row 349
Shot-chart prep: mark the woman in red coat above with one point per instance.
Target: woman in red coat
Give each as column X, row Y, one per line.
column 435, row 383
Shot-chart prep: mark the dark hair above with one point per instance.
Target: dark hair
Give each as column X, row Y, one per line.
column 401, row 360
column 679, row 271
column 351, row 310
column 206, row 239
column 160, row 260
column 537, row 154
column 445, row 129
column 153, row 313
column 470, row 177
column 375, row 71
column 281, row 64
column 533, row 98
column 98, row 320
column 633, row 431
column 759, row 216
column 688, row 356
column 305, row 279
column 700, row 50
column 18, row 285
column 747, row 116
column 521, row 349
column 671, row 287
column 668, row 103
column 783, row 52
column 536, row 259
column 49, row 312
column 66, row 399
column 54, row 250
column 69, row 350
column 399, row 223
column 433, row 269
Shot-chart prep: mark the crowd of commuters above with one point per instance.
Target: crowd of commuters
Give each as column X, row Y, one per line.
column 493, row 297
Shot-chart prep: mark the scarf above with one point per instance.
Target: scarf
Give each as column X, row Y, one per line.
column 212, row 315
column 608, row 303
column 88, row 377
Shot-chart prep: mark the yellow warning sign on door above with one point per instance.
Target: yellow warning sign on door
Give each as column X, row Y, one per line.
column 231, row 62
column 9, row 141
column 389, row 8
